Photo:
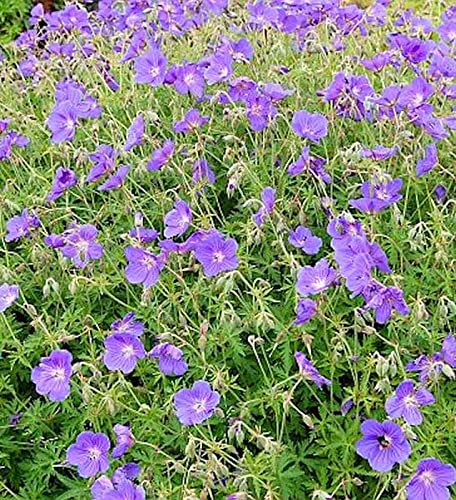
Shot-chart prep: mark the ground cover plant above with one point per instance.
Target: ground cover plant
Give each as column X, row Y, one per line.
column 227, row 251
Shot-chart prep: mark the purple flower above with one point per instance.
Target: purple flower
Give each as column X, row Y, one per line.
column 170, row 359
column 202, row 172
column 189, row 78
column 124, row 440
column 120, row 488
column 135, row 134
column 143, row 266
column 312, row 126
column 379, row 152
column 267, row 206
column 90, row 453
column 309, row 372
column 431, row 481
column 219, row 68
column 105, row 161
column 440, row 192
column 313, row 280
column 383, row 445
column 429, row 367
column 429, row 160
column 151, row 68
column 191, row 121
column 52, row 375
column 303, row 238
column 8, row 295
column 21, row 225
column 177, row 220
column 62, row 122
column 449, row 350
column 197, row 404
column 384, row 300
column 115, row 180
column 80, row 245
column 260, row 111
column 378, row 195
column 122, row 352
column 406, row 402
column 217, row 254
column 305, row 311
column 161, row 156
column 128, row 325
column 64, row 179
column 378, row 62
column 415, row 94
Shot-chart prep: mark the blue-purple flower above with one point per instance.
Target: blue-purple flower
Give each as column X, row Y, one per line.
column 170, row 359
column 122, row 352
column 151, row 68
column 431, row 481
column 21, row 225
column 64, row 179
column 197, row 404
column 308, row 371
column 8, row 295
column 178, row 219
column 52, row 375
column 317, row 279
column 217, row 254
column 406, row 402
column 124, row 440
column 90, row 453
column 303, row 238
column 312, row 126
column 135, row 133
column 143, row 266
column 383, row 445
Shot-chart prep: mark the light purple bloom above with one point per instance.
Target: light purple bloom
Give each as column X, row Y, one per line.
column 135, row 134
column 429, row 367
column 170, row 359
column 90, row 453
column 178, row 219
column 143, row 266
column 219, row 68
column 313, row 280
column 192, row 120
column 124, row 440
column 267, row 206
column 80, row 245
column 197, row 404
column 406, row 402
column 378, row 195
column 428, row 161
column 122, row 352
column 151, row 68
column 115, row 180
column 21, row 225
column 449, row 350
column 52, row 375
column 312, row 126
column 309, row 372
column 64, row 179
column 128, row 325
column 379, row 152
column 62, row 122
column 202, row 172
column 385, row 300
column 8, row 295
column 217, row 254
column 104, row 159
column 161, row 156
column 431, row 481
column 303, row 238
column 383, row 445
column 305, row 311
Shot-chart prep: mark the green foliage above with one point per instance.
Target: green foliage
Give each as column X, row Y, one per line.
column 13, row 18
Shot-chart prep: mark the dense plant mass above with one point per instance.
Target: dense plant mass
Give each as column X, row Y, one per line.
column 227, row 259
